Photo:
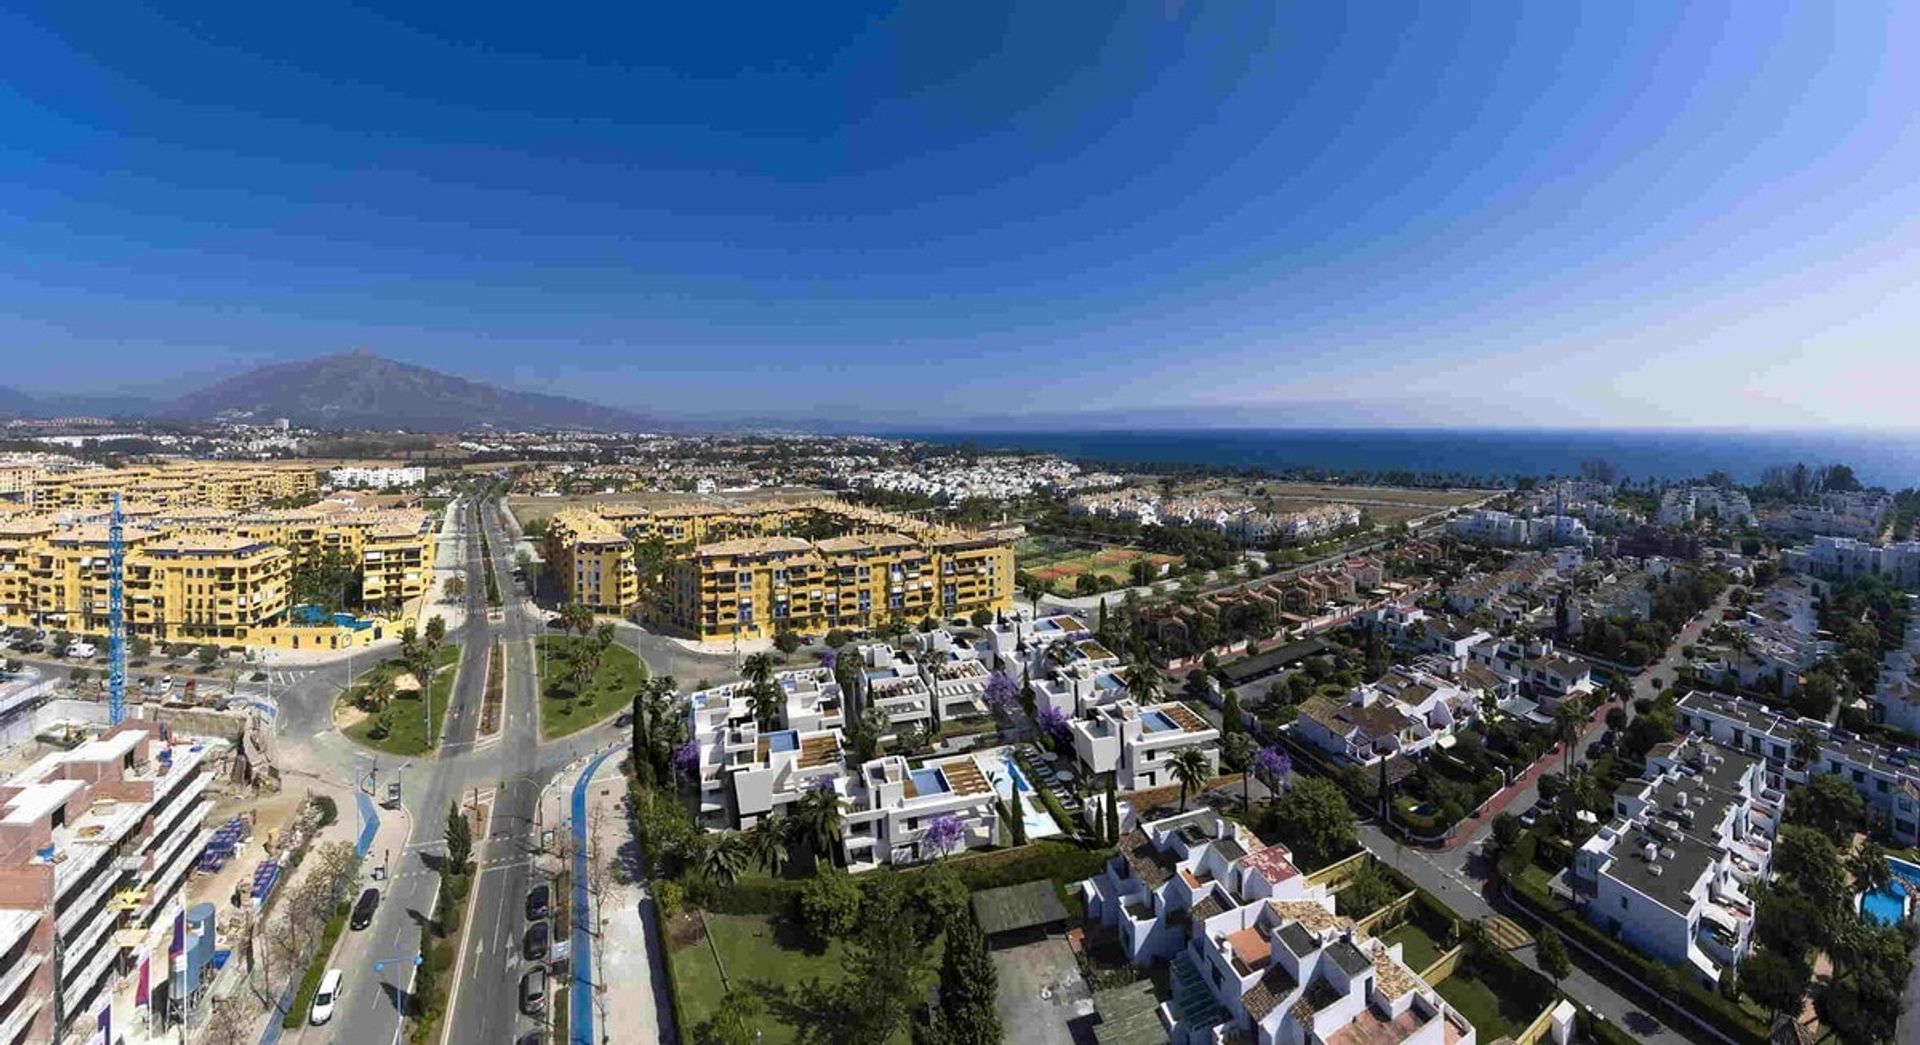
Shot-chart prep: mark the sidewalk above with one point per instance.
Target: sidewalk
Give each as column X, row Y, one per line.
column 1526, row 784
column 630, row 1011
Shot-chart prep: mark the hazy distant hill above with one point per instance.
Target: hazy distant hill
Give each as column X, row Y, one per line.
column 362, row 390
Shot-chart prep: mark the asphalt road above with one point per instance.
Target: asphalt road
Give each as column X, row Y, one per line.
column 375, row 1002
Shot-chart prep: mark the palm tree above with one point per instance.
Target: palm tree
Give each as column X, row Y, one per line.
column 768, row 842
column 763, row 696
column 578, row 617
column 603, row 635
column 1567, row 720
column 725, row 857
column 1144, row 683
column 819, row 818
column 1189, row 767
column 1869, row 867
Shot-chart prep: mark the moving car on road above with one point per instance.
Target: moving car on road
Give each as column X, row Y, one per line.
column 363, row 909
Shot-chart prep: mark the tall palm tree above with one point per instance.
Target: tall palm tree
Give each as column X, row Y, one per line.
column 763, row 696
column 1869, row 867
column 819, row 816
column 1144, row 683
column 1567, row 720
column 1189, row 767
column 726, row 855
column 768, row 842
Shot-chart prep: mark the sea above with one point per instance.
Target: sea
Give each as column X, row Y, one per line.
column 1887, row 459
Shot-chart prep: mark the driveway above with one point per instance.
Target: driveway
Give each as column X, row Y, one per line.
column 1041, row 991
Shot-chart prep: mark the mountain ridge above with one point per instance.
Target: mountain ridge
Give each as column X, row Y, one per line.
column 352, row 390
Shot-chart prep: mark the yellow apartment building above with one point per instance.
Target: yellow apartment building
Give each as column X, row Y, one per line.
column 593, row 559
column 745, row 571
column 198, row 573
column 207, row 588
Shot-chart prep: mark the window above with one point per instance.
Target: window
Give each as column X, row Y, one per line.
column 1623, row 903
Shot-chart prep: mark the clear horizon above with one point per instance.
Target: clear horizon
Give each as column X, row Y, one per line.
column 1620, row 217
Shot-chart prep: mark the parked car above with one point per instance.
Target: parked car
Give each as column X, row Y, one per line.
column 364, row 908
column 36, row 646
column 81, row 650
column 532, row 1037
column 325, row 998
column 533, row 991
column 165, row 685
column 1530, row 816
column 533, row 946
column 623, row 719
column 538, row 899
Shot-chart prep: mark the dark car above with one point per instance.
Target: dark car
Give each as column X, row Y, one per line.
column 36, row 646
column 534, row 945
column 532, row 1037
column 364, row 907
column 623, row 719
column 533, row 992
column 537, row 900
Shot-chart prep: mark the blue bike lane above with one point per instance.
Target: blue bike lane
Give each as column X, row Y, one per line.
column 580, row 997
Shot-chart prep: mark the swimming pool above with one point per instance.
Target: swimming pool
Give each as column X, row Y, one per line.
column 929, row 782
column 785, row 740
column 1886, row 905
column 1157, row 722
column 1012, row 787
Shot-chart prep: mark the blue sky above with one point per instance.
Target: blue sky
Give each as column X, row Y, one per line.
column 1502, row 213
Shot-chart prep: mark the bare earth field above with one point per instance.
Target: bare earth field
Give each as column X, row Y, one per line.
column 527, row 508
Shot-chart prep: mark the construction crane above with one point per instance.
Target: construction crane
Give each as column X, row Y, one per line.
column 116, row 616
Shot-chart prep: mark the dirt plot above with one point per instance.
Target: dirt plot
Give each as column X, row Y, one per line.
column 527, row 508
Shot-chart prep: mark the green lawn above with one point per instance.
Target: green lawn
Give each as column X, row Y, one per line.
column 561, row 710
column 753, row 953
column 409, row 731
column 1418, row 949
column 1493, row 1014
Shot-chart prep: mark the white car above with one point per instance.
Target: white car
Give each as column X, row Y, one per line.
column 325, row 997
column 81, row 650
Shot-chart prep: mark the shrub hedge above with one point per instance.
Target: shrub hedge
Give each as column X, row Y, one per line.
column 1048, row 859
column 1725, row 1015
column 296, row 1016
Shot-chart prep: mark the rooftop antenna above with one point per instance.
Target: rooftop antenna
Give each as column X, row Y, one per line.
column 116, row 617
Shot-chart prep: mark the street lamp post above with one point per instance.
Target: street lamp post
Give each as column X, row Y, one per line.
column 399, row 990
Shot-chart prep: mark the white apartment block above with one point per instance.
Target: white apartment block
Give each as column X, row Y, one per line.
column 1487, row 526
column 1015, row 641
column 745, row 774
column 1886, row 778
column 891, row 682
column 1137, row 743
column 1671, row 873
column 889, row 805
column 359, row 478
column 1836, row 519
column 1842, row 558
column 1685, row 504
column 92, row 841
column 1256, row 951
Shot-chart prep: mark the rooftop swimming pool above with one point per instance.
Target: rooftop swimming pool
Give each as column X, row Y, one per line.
column 1158, row 722
column 929, row 782
column 785, row 740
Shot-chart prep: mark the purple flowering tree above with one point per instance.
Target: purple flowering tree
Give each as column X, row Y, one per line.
column 1002, row 695
column 686, row 760
column 1274, row 764
column 944, row 832
column 829, row 657
column 1053, row 723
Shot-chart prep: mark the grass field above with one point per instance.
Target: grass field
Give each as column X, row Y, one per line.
column 561, row 710
column 1418, row 949
column 754, row 954
column 1494, row 1014
column 408, row 731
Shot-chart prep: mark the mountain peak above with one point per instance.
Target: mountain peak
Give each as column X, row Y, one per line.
column 360, row 389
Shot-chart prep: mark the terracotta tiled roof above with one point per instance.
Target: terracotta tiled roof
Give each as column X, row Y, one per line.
column 1146, row 861
column 1265, row 995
